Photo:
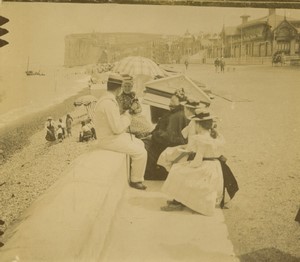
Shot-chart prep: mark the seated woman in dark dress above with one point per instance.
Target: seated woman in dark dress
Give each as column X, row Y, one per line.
column 167, row 133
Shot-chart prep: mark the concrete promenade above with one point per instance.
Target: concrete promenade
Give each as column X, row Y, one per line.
column 71, row 221
column 91, row 214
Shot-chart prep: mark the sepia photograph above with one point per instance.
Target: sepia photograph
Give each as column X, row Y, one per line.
column 151, row 131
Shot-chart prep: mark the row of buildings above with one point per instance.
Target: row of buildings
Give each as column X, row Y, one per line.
column 259, row 38
column 251, row 38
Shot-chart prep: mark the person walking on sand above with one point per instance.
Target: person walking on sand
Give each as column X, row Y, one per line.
column 111, row 129
column 69, row 121
column 186, row 64
column 217, row 64
column 222, row 65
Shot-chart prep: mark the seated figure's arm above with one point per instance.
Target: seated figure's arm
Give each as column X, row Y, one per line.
column 117, row 122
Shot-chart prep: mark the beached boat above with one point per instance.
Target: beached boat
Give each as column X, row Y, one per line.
column 33, row 73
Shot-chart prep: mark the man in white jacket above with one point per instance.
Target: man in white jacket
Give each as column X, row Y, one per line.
column 111, row 131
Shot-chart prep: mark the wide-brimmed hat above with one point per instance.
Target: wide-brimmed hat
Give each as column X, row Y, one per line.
column 193, row 104
column 49, row 118
column 202, row 116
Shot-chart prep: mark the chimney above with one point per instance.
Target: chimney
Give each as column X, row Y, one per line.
column 272, row 11
column 245, row 18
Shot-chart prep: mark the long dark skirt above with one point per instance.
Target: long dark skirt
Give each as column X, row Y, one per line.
column 297, row 218
column 50, row 136
column 154, row 171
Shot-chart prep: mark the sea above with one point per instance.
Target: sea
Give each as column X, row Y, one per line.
column 22, row 95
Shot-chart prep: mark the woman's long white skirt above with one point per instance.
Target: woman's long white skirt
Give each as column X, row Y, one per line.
column 199, row 188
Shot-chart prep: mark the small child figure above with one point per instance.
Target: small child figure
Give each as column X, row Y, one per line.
column 59, row 132
column 63, row 127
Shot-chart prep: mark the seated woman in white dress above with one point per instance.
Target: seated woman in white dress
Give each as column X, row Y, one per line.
column 197, row 183
column 175, row 154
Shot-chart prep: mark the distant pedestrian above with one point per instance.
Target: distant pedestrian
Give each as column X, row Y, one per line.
column 222, row 65
column 50, row 129
column 217, row 64
column 69, row 121
column 186, row 64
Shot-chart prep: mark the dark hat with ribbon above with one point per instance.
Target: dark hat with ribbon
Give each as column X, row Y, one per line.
column 190, row 103
column 202, row 116
column 115, row 79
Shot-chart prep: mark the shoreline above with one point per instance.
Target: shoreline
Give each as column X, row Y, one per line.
column 16, row 135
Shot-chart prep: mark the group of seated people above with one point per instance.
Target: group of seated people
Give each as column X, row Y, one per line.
column 87, row 131
column 183, row 147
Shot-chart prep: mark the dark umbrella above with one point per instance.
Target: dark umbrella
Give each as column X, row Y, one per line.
column 88, row 101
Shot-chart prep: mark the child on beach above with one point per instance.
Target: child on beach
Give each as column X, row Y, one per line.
column 63, row 127
column 60, row 133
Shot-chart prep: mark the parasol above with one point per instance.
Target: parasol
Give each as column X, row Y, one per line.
column 88, row 101
column 137, row 65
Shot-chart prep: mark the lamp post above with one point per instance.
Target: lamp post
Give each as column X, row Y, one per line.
column 241, row 44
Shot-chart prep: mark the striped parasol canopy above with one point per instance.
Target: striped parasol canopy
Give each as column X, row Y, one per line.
column 137, row 65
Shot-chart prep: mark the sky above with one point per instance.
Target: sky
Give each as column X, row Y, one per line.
column 37, row 30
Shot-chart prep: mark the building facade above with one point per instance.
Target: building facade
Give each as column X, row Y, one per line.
column 260, row 37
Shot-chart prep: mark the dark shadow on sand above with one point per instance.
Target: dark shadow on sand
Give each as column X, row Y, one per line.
column 268, row 255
